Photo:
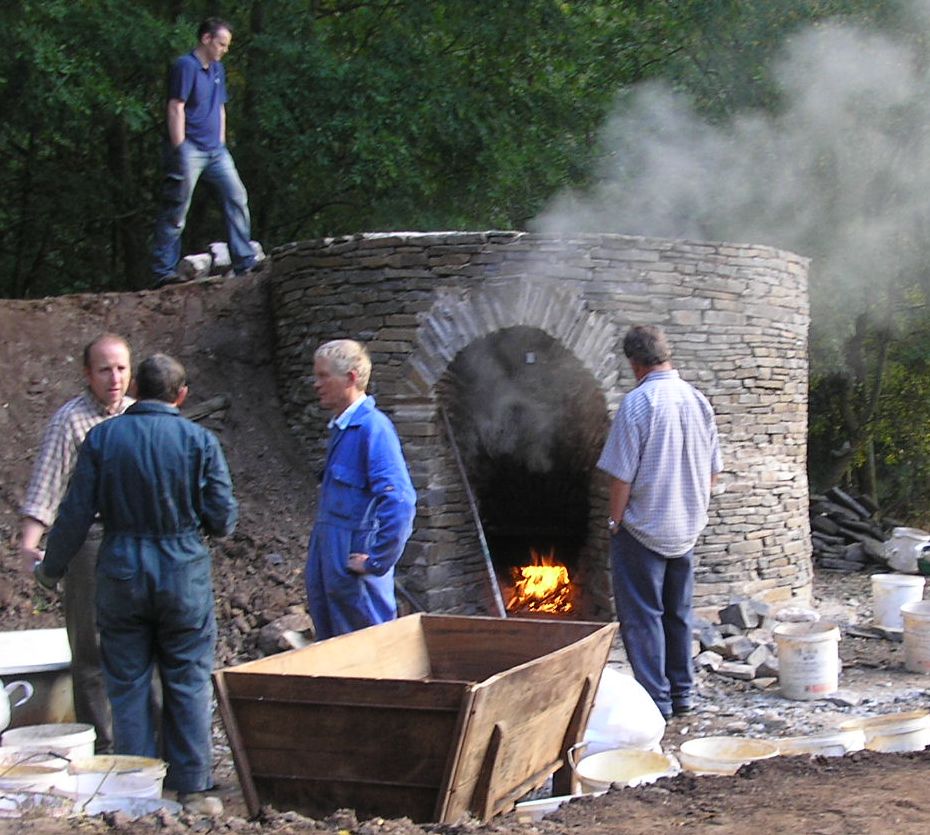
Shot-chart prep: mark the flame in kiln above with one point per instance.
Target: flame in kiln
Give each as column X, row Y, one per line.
column 541, row 586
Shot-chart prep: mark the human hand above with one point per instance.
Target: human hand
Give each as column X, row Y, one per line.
column 356, row 563
column 29, row 558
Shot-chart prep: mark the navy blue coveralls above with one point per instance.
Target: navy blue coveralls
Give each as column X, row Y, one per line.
column 157, row 480
column 367, row 504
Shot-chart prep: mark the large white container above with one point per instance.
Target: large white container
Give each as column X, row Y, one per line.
column 118, row 776
column 43, row 658
column 808, row 659
column 72, row 740
column 889, row 593
column 723, row 755
column 916, row 617
column 905, row 547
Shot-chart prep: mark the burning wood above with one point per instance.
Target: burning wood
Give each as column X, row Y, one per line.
column 542, row 586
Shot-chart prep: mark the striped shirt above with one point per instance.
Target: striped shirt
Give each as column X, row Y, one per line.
column 664, row 443
column 58, row 454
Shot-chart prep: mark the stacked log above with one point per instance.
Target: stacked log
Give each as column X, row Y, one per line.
column 847, row 532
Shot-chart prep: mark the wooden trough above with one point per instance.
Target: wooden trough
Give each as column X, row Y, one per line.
column 429, row 716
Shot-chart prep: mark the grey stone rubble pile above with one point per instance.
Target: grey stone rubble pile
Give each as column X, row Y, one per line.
column 741, row 645
column 848, row 533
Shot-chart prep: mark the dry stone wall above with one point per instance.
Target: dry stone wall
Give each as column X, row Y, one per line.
column 737, row 317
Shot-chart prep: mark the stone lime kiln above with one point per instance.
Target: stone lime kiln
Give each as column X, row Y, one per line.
column 510, row 344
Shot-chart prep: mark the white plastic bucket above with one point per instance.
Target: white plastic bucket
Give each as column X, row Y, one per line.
column 916, row 618
column 723, row 754
column 73, row 740
column 118, row 776
column 622, row 766
column 21, row 762
column 889, row 593
column 826, row 744
column 32, row 778
column 808, row 659
column 894, row 732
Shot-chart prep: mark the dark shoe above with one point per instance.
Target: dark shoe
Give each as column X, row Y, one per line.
column 682, row 710
column 165, row 280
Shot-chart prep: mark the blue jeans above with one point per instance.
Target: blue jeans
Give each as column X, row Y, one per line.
column 184, row 166
column 161, row 615
column 653, row 596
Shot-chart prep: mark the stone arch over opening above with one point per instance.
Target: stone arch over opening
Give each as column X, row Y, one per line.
column 457, row 318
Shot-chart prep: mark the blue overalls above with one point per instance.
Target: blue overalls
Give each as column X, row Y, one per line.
column 367, row 505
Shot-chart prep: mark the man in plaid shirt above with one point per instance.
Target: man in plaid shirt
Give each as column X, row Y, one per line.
column 107, row 370
column 663, row 457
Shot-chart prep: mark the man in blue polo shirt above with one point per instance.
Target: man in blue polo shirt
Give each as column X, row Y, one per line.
column 196, row 145
column 663, row 457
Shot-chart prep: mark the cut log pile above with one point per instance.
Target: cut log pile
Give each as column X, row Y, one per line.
column 848, row 533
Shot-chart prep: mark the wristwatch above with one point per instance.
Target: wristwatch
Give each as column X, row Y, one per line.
column 612, row 524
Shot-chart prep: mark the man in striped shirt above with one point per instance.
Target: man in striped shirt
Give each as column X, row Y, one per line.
column 663, row 457
column 107, row 370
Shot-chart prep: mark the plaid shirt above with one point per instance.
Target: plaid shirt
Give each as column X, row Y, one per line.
column 58, row 454
column 664, row 443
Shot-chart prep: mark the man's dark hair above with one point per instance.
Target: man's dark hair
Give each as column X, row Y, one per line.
column 211, row 26
column 160, row 377
column 646, row 345
column 104, row 337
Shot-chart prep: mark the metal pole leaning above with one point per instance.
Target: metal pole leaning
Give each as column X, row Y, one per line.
column 489, row 565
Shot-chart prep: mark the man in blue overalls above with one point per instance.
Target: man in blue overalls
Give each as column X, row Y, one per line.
column 367, row 502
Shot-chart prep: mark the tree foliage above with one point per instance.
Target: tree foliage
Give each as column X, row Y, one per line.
column 344, row 116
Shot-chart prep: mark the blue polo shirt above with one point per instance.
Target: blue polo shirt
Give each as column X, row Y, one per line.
column 203, row 92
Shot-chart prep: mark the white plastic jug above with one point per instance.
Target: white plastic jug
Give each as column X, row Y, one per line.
column 6, row 704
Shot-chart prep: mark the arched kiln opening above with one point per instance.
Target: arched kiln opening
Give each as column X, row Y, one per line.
column 529, row 422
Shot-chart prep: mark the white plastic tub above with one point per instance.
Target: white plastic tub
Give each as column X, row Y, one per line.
column 894, row 732
column 73, row 740
column 619, row 766
column 825, row 744
column 808, row 659
column 118, row 776
column 723, row 755
column 889, row 593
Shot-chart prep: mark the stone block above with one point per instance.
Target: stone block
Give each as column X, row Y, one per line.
column 738, row 647
column 738, row 670
column 708, row 660
column 741, row 614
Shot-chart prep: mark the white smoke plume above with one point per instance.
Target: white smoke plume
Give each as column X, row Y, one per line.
column 841, row 173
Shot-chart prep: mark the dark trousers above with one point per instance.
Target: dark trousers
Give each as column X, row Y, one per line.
column 88, row 684
column 161, row 618
column 653, row 597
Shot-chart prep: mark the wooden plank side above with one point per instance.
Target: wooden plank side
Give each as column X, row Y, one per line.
column 536, row 703
column 300, row 689
column 236, row 746
column 396, row 649
column 346, row 744
column 476, row 648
